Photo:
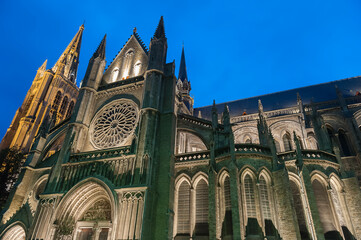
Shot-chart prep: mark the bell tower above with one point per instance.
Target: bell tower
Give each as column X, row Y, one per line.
column 53, row 91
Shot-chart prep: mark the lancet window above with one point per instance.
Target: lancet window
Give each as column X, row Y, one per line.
column 250, row 197
column 299, row 208
column 324, row 208
column 264, row 198
column 344, row 143
column 70, row 109
column 191, row 209
column 183, row 218
column 287, row 143
column 63, row 106
column 201, row 227
column 57, row 100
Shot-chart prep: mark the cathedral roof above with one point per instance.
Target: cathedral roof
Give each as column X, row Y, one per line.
column 317, row 93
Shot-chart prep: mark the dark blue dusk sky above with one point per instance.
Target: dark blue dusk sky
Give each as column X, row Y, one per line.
column 234, row 49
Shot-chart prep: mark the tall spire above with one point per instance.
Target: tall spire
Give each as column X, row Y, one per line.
column 182, row 68
column 100, row 52
column 67, row 64
column 160, row 32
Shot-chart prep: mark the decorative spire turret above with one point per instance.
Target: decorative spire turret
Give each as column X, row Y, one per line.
column 262, row 125
column 67, row 64
column 96, row 67
column 43, row 66
column 214, row 115
column 299, row 158
column 41, row 69
column 226, row 119
column 182, row 68
column 100, row 52
column 160, row 32
column 158, row 48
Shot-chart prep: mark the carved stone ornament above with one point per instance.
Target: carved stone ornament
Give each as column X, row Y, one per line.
column 100, row 211
column 113, row 124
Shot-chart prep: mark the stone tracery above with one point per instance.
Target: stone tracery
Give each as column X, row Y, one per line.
column 113, row 124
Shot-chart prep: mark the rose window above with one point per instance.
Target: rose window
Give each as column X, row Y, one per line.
column 113, row 124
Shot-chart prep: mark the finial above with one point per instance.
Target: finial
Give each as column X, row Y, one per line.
column 134, row 30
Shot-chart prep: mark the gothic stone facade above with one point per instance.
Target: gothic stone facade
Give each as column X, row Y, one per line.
column 136, row 161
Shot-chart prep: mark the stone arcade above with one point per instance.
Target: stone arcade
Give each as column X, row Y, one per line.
column 133, row 160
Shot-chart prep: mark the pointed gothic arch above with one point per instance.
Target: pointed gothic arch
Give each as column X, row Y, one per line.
column 345, row 146
column 56, row 101
column 287, row 142
column 189, row 141
column 70, row 109
column 64, row 105
column 201, row 212
column 87, row 203
column 324, row 206
column 299, row 206
column 182, row 206
column 225, row 210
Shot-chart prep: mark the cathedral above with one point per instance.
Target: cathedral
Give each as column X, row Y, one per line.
column 127, row 156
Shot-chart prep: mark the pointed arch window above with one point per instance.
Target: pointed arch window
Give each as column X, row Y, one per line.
column 57, row 100
column 183, row 219
column 299, row 208
column 250, row 197
column 137, row 68
column 264, row 197
column 324, row 207
column 344, row 143
column 114, row 75
column 63, row 106
column 287, row 144
column 227, row 226
column 227, row 194
column 70, row 109
column 201, row 227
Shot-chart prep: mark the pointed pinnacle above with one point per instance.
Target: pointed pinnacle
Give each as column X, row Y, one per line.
column 182, row 68
column 226, row 109
column 260, row 106
column 43, row 66
column 160, row 32
column 100, row 52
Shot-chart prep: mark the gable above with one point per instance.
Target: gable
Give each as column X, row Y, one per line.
column 130, row 62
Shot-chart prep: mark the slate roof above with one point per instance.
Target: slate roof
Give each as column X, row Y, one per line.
column 285, row 99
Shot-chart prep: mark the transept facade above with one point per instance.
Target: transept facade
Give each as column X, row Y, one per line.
column 135, row 160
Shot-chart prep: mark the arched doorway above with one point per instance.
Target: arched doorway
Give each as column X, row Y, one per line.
column 86, row 213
